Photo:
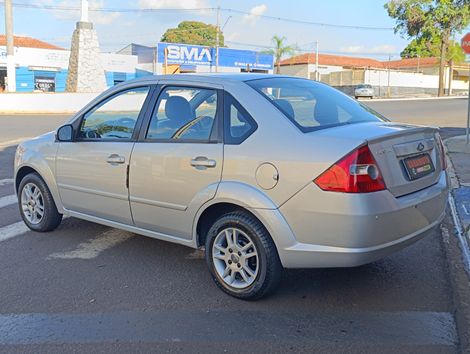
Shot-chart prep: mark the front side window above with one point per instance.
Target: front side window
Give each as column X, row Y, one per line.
column 184, row 113
column 115, row 118
column 312, row 105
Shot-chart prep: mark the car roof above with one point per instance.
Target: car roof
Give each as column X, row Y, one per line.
column 208, row 77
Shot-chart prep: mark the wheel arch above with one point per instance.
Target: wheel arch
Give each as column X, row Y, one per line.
column 46, row 176
column 212, row 213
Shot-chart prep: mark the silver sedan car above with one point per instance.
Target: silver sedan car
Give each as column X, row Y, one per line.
column 364, row 90
column 263, row 172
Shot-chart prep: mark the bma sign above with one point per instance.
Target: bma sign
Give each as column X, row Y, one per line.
column 191, row 55
column 185, row 54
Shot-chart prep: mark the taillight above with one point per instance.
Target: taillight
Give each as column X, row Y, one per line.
column 357, row 172
column 442, row 152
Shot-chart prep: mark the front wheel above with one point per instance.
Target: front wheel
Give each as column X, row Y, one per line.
column 37, row 207
column 242, row 257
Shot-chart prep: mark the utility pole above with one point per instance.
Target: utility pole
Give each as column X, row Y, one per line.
column 11, row 67
column 317, row 75
column 217, row 40
column 388, row 79
column 467, row 130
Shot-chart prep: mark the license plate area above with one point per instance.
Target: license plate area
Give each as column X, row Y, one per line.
column 418, row 166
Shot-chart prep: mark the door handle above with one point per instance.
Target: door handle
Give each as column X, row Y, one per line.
column 115, row 159
column 202, row 161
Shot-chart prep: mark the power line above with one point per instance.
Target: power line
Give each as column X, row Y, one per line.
column 105, row 9
column 300, row 50
column 304, row 22
column 229, row 10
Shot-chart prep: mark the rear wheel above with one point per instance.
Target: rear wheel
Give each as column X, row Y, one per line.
column 242, row 257
column 37, row 207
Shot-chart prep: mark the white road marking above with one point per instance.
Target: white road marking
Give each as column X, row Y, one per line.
column 13, row 230
column 4, row 182
column 14, row 142
column 92, row 249
column 8, row 200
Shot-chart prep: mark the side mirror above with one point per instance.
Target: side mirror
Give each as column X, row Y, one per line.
column 65, row 133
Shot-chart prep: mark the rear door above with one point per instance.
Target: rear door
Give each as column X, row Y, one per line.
column 177, row 162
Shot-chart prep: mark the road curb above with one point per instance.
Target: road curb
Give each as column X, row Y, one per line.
column 416, row 98
column 458, row 260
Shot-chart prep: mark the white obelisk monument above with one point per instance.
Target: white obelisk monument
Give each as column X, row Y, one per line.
column 85, row 72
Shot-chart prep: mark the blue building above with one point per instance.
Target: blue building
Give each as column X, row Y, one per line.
column 176, row 57
column 41, row 66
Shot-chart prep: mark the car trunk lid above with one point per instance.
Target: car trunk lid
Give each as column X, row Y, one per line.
column 398, row 148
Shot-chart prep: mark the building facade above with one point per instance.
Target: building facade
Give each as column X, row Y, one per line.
column 172, row 58
column 42, row 67
column 397, row 77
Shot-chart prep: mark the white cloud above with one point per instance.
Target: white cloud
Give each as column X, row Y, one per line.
column 103, row 18
column 232, row 36
column 379, row 49
column 255, row 12
column 172, row 4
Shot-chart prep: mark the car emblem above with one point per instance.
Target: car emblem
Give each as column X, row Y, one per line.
column 420, row 147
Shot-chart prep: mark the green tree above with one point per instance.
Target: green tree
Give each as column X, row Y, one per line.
column 430, row 21
column 431, row 48
column 422, row 49
column 280, row 49
column 193, row 32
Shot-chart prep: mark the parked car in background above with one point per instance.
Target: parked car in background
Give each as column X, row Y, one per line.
column 264, row 172
column 364, row 90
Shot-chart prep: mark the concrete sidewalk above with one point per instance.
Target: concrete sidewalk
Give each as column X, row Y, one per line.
column 459, row 170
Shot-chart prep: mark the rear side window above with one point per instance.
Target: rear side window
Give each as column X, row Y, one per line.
column 311, row 105
column 239, row 125
column 184, row 113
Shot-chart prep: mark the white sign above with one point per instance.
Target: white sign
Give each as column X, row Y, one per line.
column 188, row 54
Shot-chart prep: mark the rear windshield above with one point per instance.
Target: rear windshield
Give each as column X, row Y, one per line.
column 364, row 86
column 312, row 105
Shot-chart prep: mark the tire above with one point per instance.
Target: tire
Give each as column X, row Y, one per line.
column 261, row 259
column 356, row 97
column 33, row 184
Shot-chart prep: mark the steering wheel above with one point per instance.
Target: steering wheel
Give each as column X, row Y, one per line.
column 126, row 121
column 204, row 123
column 91, row 134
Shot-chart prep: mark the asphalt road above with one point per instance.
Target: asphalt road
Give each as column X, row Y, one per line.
column 90, row 288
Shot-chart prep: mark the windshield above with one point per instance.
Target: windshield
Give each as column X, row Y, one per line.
column 312, row 105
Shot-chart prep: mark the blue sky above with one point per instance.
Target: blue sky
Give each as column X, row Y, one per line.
column 116, row 29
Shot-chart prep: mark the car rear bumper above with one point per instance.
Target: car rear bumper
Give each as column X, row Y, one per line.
column 345, row 230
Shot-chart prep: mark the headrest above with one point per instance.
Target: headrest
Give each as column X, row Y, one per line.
column 286, row 107
column 325, row 112
column 178, row 109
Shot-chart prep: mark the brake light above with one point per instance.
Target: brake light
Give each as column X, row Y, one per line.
column 357, row 172
column 442, row 152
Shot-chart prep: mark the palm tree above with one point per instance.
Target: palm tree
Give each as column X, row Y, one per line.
column 280, row 49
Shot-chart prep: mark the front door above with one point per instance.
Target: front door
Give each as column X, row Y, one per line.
column 177, row 163
column 92, row 170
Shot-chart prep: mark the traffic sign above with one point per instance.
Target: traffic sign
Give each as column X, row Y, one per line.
column 466, row 43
